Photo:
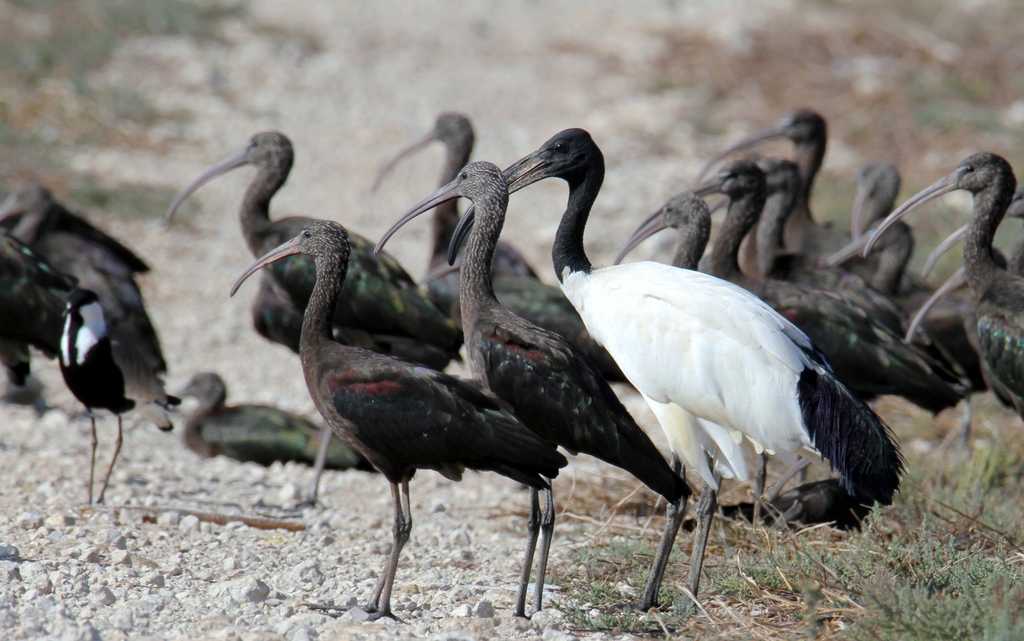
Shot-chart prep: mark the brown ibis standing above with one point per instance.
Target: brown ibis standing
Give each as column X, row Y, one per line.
column 381, row 300
column 809, row 134
column 382, row 308
column 999, row 292
column 552, row 387
column 515, row 283
column 455, row 132
column 400, row 416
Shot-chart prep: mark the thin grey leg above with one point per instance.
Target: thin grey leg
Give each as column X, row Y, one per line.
column 673, row 519
column 547, row 528
column 533, row 531
column 113, row 459
column 321, row 461
column 705, row 515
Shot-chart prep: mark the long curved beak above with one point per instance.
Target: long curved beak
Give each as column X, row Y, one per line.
column 649, row 227
column 285, row 249
column 942, row 186
column 860, row 202
column 460, row 233
column 439, row 272
column 746, row 143
column 409, row 149
column 957, row 280
column 9, row 206
column 444, row 194
column 524, row 172
column 941, row 249
column 853, row 249
column 709, row 187
column 220, row 168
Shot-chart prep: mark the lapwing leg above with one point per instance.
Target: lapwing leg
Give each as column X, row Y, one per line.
column 380, row 605
column 321, row 461
column 92, row 455
column 117, row 450
column 533, row 530
column 547, row 528
column 705, row 515
column 673, row 519
column 759, row 479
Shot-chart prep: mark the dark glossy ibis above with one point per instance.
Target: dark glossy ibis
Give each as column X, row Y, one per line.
column 105, row 371
column 866, row 355
column 515, row 283
column 381, row 305
column 552, row 387
column 807, row 130
column 455, row 132
column 33, row 296
column 999, row 292
column 73, row 246
column 716, row 364
column 258, row 433
column 400, row 416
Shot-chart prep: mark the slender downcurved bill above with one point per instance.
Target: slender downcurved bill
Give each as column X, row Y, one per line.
column 860, row 203
column 408, row 150
column 938, row 188
column 438, row 273
column 444, row 194
column 957, row 280
column 223, row 167
column 285, row 249
column 852, row 250
column 649, row 227
column 941, row 249
column 746, row 143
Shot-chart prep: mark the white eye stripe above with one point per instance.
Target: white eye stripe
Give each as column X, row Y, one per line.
column 93, row 329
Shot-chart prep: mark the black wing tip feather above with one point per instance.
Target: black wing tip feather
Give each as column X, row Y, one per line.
column 851, row 437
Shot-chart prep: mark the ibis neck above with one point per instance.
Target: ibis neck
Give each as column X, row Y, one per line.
column 567, row 251
column 316, row 322
column 255, row 211
column 446, row 215
column 893, row 258
column 990, row 206
column 476, row 287
column 692, row 244
column 770, row 228
column 743, row 212
column 808, row 155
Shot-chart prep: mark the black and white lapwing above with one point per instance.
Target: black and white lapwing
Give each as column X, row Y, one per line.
column 104, row 371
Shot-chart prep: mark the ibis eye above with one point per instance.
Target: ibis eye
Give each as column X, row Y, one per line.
column 561, row 147
column 463, row 176
column 968, row 168
column 306, row 233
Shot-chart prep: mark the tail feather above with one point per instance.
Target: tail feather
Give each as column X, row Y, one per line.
column 850, row 436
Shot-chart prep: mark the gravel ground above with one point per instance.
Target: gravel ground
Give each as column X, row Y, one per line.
column 349, row 83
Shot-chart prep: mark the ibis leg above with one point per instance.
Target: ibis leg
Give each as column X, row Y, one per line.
column 321, row 461
column 761, row 474
column 705, row 515
column 113, row 459
column 533, row 530
column 547, row 528
column 380, row 604
column 92, row 455
column 673, row 519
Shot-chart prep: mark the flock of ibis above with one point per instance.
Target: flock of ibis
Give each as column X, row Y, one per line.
column 768, row 344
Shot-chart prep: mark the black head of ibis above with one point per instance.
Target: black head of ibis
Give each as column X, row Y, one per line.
column 400, row 416
column 105, row 371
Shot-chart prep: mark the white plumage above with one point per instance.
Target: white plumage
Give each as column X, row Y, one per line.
column 717, row 365
column 92, row 331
